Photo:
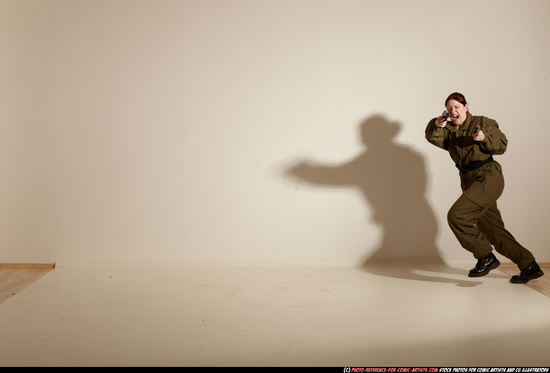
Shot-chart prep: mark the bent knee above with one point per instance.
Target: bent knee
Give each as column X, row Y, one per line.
column 452, row 216
column 457, row 216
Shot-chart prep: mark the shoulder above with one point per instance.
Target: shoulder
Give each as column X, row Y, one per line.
column 485, row 121
column 481, row 118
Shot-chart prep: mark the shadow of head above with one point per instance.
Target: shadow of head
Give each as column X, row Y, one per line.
column 377, row 130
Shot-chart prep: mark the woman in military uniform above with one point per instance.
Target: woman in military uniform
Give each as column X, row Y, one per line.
column 474, row 218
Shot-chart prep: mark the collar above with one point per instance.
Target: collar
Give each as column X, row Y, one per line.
column 467, row 122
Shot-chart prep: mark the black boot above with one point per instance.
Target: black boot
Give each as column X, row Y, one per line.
column 530, row 272
column 484, row 265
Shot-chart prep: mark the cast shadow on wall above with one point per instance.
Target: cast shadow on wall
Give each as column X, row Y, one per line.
column 392, row 180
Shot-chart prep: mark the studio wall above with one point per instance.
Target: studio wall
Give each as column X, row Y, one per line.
column 260, row 131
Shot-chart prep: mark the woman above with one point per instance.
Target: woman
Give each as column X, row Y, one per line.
column 474, row 218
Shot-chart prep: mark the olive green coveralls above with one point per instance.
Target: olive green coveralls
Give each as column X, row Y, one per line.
column 474, row 218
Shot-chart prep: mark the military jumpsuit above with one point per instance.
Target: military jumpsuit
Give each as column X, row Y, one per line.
column 474, row 218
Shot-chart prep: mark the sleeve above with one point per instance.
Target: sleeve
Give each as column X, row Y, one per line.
column 437, row 135
column 495, row 141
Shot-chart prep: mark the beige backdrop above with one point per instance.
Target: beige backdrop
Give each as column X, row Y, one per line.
column 259, row 130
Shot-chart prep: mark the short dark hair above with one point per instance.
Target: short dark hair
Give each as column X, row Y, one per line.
column 457, row 97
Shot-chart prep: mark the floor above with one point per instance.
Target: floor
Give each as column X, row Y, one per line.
column 131, row 314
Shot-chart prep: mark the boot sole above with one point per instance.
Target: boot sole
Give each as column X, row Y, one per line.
column 481, row 274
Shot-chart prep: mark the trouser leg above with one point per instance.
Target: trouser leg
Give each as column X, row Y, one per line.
column 492, row 225
column 463, row 218
column 476, row 221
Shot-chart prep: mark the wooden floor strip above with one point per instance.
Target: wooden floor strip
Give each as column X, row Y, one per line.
column 28, row 265
column 15, row 279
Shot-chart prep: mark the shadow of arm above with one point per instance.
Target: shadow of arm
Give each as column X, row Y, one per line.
column 311, row 173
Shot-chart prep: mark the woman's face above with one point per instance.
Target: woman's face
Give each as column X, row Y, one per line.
column 457, row 112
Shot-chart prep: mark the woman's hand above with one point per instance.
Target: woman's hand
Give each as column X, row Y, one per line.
column 479, row 136
column 440, row 122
